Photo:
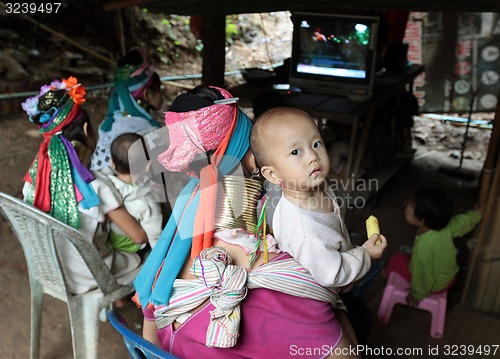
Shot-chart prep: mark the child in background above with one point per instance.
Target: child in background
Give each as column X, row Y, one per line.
column 60, row 183
column 136, row 93
column 432, row 265
column 143, row 207
column 307, row 224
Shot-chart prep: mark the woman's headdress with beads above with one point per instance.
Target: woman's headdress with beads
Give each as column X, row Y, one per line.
column 59, row 179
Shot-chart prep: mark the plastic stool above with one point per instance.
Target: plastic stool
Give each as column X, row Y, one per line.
column 395, row 292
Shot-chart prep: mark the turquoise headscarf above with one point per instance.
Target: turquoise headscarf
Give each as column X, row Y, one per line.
column 122, row 100
column 174, row 244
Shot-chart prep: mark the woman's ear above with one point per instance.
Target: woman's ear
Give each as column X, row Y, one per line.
column 90, row 136
column 270, row 174
column 86, row 129
column 146, row 95
column 248, row 163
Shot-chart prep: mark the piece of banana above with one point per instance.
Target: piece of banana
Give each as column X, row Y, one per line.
column 372, row 228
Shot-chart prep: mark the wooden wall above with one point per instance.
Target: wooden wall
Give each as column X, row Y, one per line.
column 482, row 287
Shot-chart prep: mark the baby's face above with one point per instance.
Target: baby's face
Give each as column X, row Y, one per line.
column 297, row 152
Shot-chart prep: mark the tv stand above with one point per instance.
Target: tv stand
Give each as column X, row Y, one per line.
column 339, row 109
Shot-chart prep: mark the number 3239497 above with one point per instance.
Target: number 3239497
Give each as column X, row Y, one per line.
column 470, row 350
column 32, row 8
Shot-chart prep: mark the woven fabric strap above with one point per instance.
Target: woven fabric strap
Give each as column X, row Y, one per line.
column 226, row 286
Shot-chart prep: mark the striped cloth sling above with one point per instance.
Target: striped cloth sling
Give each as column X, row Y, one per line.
column 226, row 285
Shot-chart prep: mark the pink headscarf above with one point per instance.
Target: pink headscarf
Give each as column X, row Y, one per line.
column 196, row 132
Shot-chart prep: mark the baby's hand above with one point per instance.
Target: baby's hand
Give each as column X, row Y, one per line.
column 376, row 245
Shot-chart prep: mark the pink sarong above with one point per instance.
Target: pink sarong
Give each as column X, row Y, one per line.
column 273, row 325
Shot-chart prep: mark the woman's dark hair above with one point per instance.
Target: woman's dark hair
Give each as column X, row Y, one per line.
column 194, row 99
column 155, row 84
column 74, row 131
column 433, row 206
column 208, row 93
column 120, row 151
column 133, row 57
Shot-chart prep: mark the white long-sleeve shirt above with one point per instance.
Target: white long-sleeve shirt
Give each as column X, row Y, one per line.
column 320, row 243
column 144, row 208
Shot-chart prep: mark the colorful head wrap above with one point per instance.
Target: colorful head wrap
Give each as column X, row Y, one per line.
column 59, row 178
column 191, row 225
column 130, row 83
column 194, row 132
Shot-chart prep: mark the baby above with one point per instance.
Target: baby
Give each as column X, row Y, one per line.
column 143, row 208
column 307, row 224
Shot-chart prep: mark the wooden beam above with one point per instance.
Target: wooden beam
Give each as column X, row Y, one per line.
column 214, row 50
column 225, row 7
column 118, row 15
column 121, row 4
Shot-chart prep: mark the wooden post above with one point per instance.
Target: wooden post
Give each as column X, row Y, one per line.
column 214, row 50
column 119, row 31
column 478, row 287
column 491, row 158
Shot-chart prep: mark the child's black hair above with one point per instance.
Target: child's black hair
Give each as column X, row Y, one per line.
column 119, row 151
column 433, row 206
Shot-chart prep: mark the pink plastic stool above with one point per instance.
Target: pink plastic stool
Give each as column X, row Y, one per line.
column 395, row 292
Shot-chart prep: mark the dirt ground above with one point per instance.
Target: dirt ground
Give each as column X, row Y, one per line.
column 436, row 144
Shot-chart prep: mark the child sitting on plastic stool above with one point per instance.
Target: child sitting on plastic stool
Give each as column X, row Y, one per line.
column 431, row 266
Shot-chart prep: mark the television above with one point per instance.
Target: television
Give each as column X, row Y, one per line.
column 334, row 53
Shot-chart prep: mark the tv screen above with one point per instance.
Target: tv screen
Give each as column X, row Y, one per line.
column 333, row 53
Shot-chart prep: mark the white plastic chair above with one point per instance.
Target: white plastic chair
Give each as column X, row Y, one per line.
column 39, row 233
